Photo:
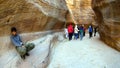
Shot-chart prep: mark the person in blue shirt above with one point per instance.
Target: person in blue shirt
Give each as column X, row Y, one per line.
column 90, row 29
column 16, row 40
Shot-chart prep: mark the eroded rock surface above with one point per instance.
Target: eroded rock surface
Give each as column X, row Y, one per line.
column 108, row 18
column 81, row 11
column 31, row 15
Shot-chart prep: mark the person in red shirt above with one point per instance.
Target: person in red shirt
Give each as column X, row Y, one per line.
column 70, row 31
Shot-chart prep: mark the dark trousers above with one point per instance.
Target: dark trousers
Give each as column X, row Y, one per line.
column 70, row 36
column 90, row 34
column 84, row 33
column 94, row 33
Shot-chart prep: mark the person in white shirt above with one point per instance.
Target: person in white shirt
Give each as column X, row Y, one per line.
column 76, row 32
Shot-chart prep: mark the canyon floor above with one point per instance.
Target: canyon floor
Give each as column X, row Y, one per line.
column 88, row 53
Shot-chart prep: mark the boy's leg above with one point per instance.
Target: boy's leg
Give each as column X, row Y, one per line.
column 23, row 56
column 29, row 47
column 21, row 51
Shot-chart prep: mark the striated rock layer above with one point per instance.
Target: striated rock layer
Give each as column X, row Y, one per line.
column 108, row 18
column 31, row 15
column 81, row 11
column 39, row 15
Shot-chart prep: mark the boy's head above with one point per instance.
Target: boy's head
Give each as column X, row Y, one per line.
column 13, row 31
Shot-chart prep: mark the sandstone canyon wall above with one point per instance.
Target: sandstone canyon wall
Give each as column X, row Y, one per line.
column 28, row 16
column 31, row 15
column 40, row 15
column 80, row 11
column 108, row 18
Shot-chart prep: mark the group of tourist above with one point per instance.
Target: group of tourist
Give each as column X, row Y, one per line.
column 78, row 31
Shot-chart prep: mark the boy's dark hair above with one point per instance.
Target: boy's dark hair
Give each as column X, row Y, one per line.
column 13, row 29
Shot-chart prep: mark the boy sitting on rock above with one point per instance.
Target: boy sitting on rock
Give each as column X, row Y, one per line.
column 23, row 49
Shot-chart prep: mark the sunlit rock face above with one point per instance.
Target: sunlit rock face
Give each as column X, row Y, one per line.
column 81, row 11
column 39, row 15
column 31, row 15
column 108, row 18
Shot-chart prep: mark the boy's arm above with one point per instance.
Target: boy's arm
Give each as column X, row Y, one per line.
column 15, row 43
column 20, row 38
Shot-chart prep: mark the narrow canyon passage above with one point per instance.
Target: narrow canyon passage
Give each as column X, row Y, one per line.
column 42, row 22
column 88, row 53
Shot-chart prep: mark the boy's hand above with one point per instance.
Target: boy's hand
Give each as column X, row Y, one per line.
column 23, row 46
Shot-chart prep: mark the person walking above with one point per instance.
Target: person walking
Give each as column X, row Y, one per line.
column 70, row 31
column 81, row 30
column 90, row 29
column 22, row 48
column 76, row 32
column 66, row 33
column 84, row 30
column 95, row 30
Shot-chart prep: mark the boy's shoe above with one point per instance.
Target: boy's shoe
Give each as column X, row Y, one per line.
column 27, row 54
